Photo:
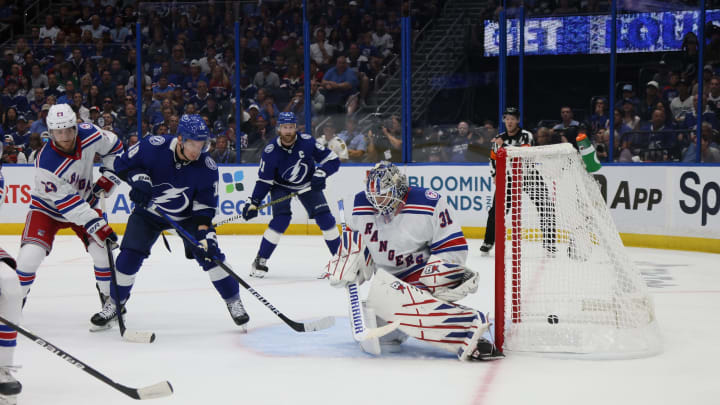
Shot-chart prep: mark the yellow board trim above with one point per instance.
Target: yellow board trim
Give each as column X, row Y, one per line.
column 688, row 243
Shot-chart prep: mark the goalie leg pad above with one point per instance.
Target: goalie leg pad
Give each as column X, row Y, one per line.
column 448, row 326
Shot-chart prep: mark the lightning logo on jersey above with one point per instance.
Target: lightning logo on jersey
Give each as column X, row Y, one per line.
column 171, row 199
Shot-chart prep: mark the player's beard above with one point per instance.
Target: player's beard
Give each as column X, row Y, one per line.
column 288, row 140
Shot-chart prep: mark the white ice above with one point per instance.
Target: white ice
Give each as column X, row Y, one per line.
column 200, row 351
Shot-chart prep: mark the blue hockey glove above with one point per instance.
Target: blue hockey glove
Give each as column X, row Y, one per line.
column 250, row 210
column 317, row 183
column 141, row 191
column 210, row 251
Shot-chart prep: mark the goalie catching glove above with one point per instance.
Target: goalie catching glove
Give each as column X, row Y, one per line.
column 352, row 263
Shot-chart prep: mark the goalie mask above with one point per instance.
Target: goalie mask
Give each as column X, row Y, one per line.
column 386, row 188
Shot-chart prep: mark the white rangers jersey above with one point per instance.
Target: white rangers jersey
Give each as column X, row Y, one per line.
column 424, row 226
column 63, row 182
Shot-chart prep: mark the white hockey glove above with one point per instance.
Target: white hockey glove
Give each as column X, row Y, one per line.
column 447, row 281
column 106, row 184
column 352, row 263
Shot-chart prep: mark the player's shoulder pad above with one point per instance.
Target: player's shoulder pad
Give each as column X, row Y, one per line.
column 270, row 147
column 156, row 140
column 86, row 129
column 361, row 205
column 209, row 162
column 49, row 159
column 306, row 136
column 422, row 196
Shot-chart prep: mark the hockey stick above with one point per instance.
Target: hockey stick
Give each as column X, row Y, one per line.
column 360, row 330
column 309, row 326
column 273, row 202
column 159, row 390
column 128, row 335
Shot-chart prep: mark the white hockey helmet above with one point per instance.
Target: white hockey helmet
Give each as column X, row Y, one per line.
column 61, row 116
column 386, row 188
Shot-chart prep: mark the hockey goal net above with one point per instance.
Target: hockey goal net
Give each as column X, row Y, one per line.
column 563, row 280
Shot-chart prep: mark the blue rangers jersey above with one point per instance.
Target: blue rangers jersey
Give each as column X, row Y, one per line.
column 64, row 182
column 182, row 189
column 423, row 226
column 293, row 167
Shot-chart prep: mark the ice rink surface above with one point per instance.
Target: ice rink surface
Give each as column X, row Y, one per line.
column 200, row 351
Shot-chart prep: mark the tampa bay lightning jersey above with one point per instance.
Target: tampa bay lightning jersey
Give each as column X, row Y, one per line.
column 181, row 189
column 293, row 167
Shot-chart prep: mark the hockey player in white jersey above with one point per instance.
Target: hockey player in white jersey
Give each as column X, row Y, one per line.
column 10, row 309
column 412, row 238
column 64, row 195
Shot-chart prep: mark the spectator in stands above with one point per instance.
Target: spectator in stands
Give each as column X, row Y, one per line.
column 128, row 123
column 118, row 74
column 222, row 153
column 297, row 103
column 339, row 83
column 658, row 138
column 670, row 91
column 628, row 117
column 95, row 28
column 713, row 98
column 13, row 96
column 77, row 106
column 566, row 115
column 196, row 75
column 321, row 51
column 38, row 79
column 628, row 94
column 266, row 78
column 710, row 154
column 708, row 148
column 172, row 124
column 201, row 96
column 21, row 135
column 163, row 90
column 107, row 107
column 689, row 57
column 354, row 140
column 210, row 53
column 598, row 117
column 689, row 120
column 460, row 142
column 219, row 84
column 34, row 145
column 386, row 144
column 49, row 30
column 381, row 39
column 681, row 104
column 9, row 121
column 37, row 103
column 707, row 75
column 212, row 109
column 40, row 125
column 543, row 136
column 648, row 105
column 119, row 34
column 94, row 114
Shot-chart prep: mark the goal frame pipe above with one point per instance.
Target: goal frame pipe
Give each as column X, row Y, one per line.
column 500, row 235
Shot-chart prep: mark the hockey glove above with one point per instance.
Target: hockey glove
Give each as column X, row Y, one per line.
column 141, row 191
column 106, row 184
column 99, row 230
column 317, row 183
column 210, row 251
column 250, row 210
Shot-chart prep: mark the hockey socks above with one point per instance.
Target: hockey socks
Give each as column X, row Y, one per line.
column 225, row 285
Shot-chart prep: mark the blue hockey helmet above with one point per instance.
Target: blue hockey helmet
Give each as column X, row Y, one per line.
column 286, row 118
column 192, row 126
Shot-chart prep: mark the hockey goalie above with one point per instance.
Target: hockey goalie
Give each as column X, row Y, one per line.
column 404, row 241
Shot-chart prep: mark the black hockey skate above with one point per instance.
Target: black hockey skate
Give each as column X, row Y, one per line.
column 259, row 268
column 9, row 386
column 105, row 318
column 484, row 351
column 237, row 312
column 485, row 249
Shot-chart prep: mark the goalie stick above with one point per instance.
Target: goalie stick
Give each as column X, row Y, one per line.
column 358, row 318
column 159, row 390
column 309, row 326
column 273, row 202
column 128, row 335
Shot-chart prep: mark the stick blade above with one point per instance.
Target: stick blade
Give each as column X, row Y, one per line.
column 159, row 390
column 138, row 337
column 319, row 324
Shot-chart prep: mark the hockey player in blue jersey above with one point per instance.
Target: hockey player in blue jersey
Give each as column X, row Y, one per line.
column 181, row 179
column 292, row 162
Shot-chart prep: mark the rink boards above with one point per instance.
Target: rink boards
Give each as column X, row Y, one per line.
column 653, row 206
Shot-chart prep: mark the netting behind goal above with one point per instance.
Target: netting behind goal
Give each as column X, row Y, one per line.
column 564, row 282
